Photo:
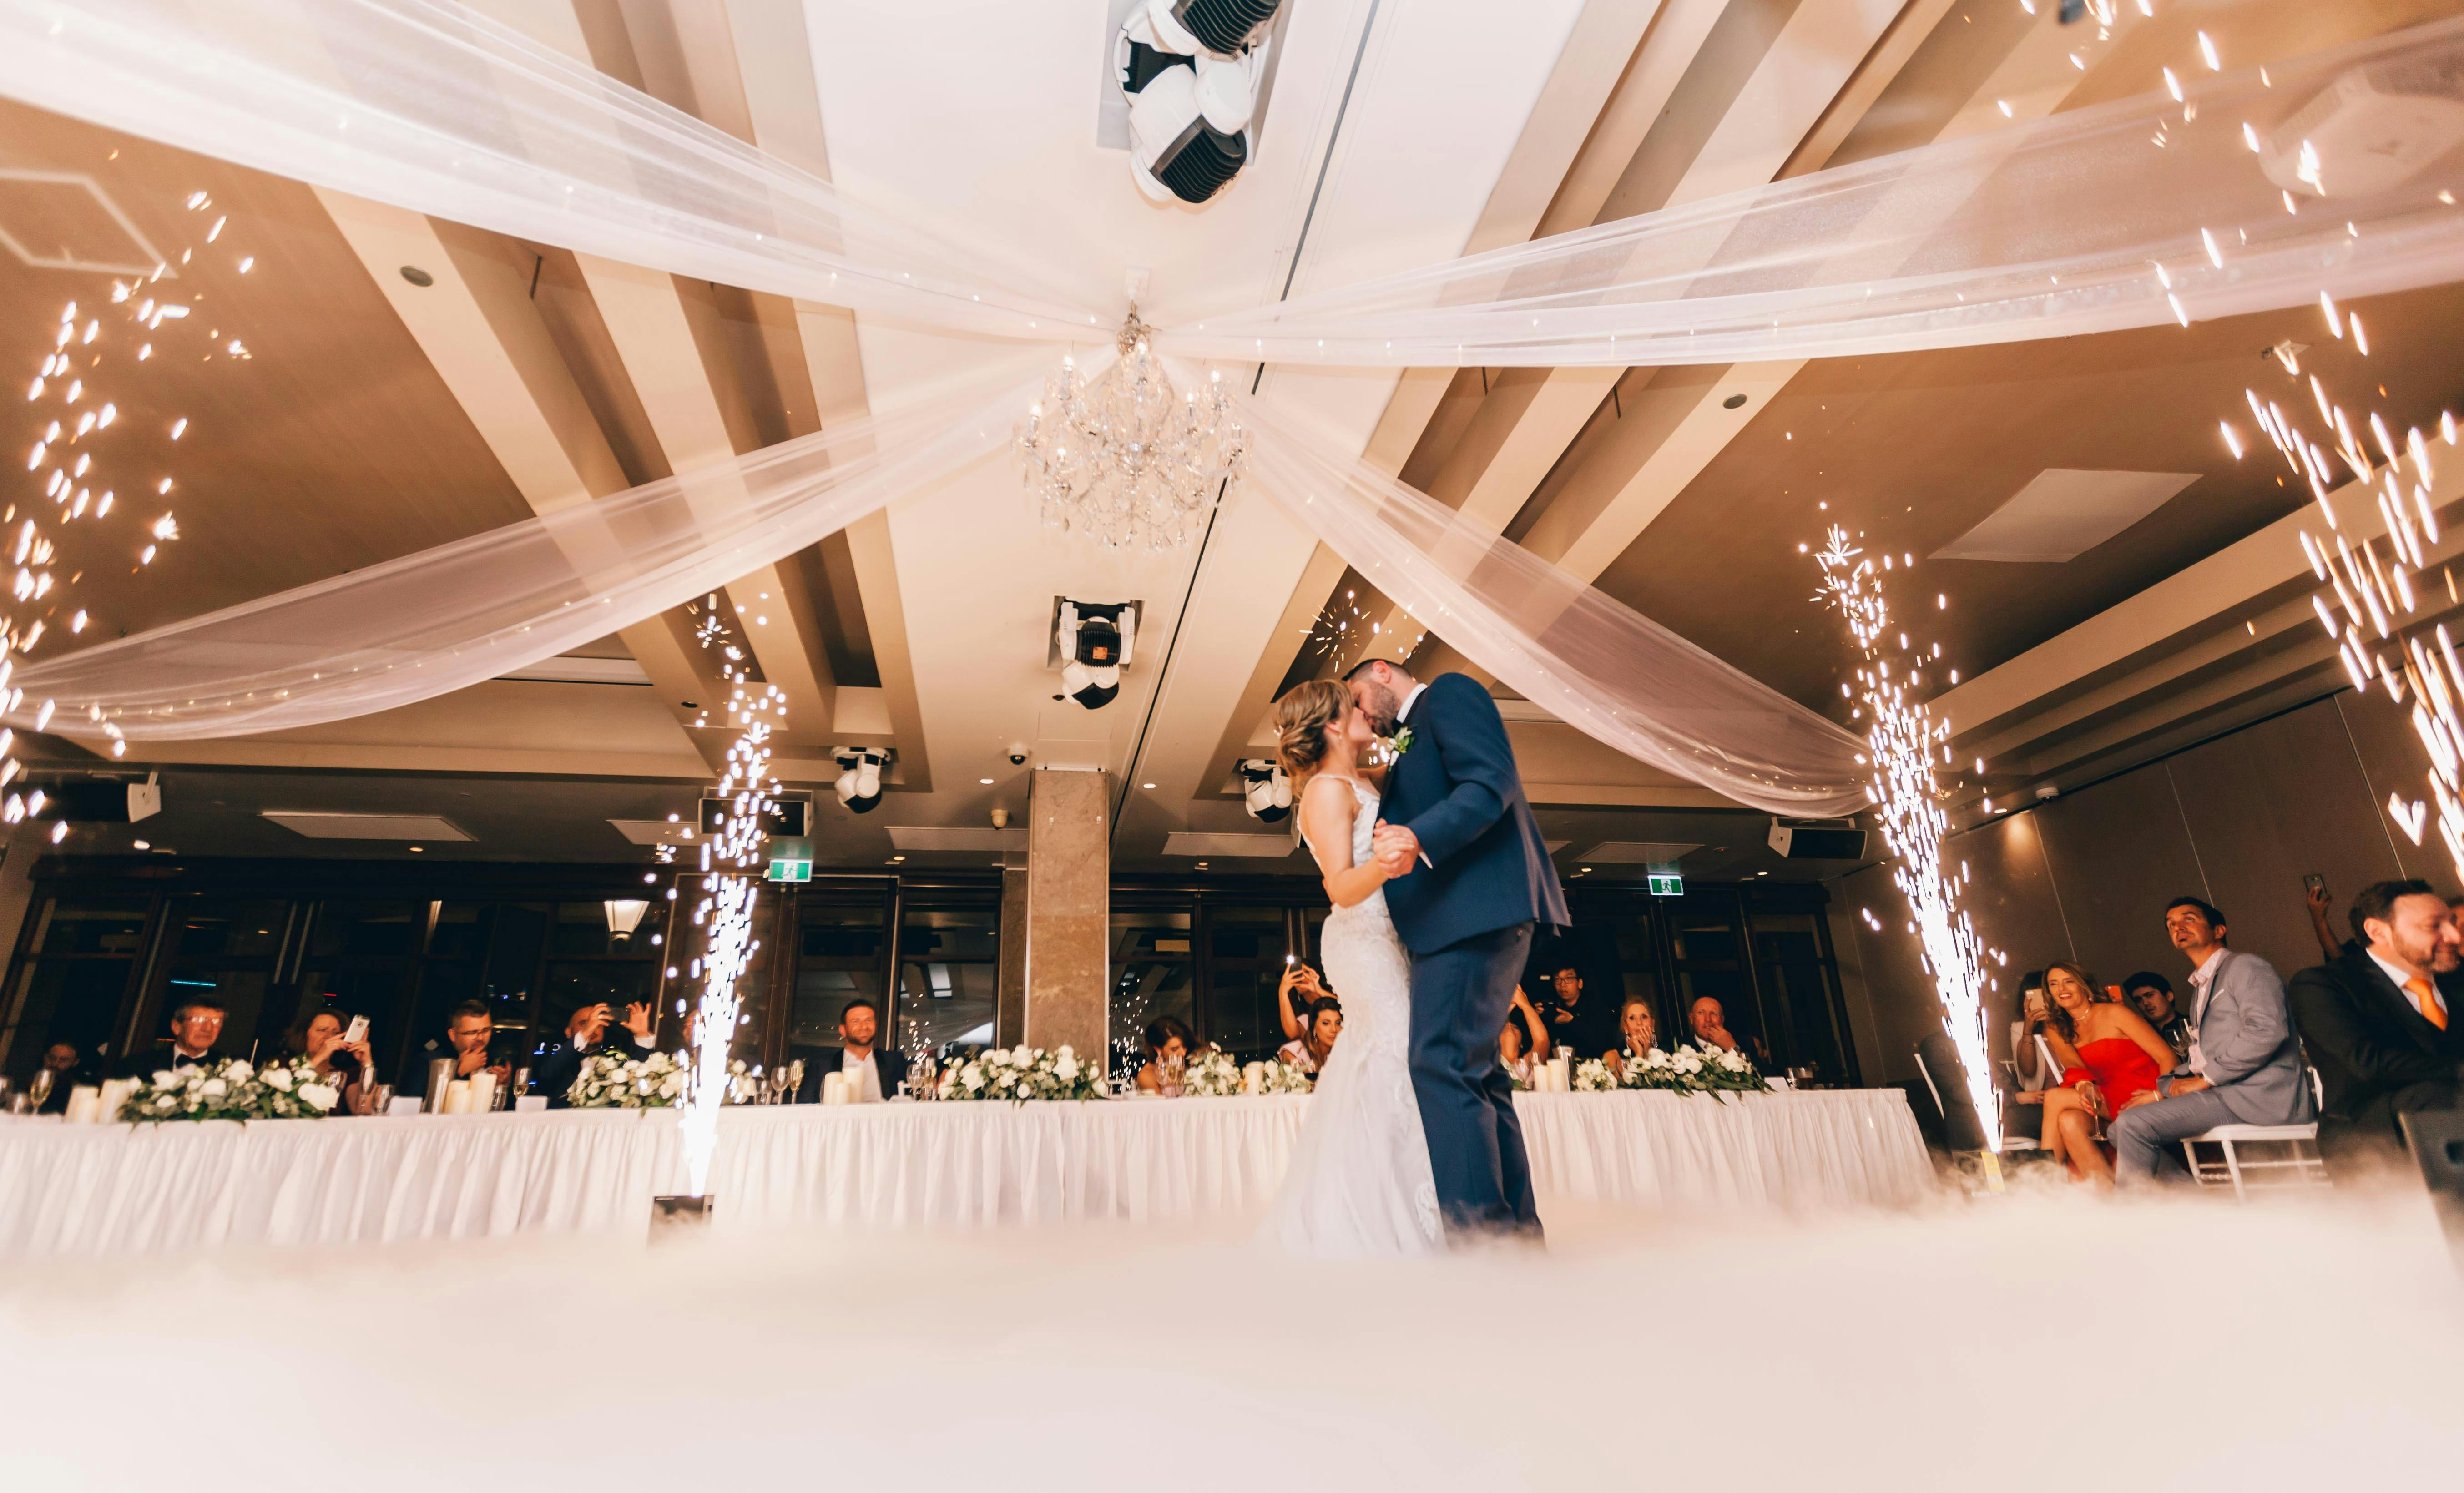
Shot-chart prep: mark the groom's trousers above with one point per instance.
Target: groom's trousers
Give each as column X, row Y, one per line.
column 1461, row 996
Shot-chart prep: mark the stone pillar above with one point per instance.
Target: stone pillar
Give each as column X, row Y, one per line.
column 1009, row 1023
column 1069, row 910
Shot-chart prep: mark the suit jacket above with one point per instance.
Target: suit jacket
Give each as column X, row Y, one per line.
column 2377, row 1055
column 2248, row 1046
column 556, row 1070
column 890, row 1067
column 1456, row 789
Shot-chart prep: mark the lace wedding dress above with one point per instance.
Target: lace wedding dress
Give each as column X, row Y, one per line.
column 1360, row 1184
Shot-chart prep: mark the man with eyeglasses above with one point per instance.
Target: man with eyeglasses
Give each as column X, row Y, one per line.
column 196, row 1025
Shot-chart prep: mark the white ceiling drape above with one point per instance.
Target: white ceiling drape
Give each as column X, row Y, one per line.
column 2083, row 223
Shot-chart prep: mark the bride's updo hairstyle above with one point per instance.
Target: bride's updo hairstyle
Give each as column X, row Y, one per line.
column 1301, row 718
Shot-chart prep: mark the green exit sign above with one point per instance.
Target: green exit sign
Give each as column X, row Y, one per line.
column 791, row 870
column 1666, row 884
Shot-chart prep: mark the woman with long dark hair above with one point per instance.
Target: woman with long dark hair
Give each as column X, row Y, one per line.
column 1168, row 1044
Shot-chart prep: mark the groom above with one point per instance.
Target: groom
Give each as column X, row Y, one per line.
column 1470, row 876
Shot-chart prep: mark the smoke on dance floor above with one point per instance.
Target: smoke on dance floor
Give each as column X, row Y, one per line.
column 2181, row 1343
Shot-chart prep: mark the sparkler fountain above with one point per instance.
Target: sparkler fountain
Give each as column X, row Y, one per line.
column 1904, row 743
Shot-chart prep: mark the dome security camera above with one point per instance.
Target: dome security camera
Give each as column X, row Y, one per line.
column 1018, row 754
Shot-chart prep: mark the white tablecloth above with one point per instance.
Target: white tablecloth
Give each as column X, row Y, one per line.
column 120, row 1188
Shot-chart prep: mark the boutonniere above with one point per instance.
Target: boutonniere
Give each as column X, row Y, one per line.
column 1396, row 745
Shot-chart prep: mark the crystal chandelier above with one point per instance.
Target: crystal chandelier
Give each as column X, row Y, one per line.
column 1125, row 458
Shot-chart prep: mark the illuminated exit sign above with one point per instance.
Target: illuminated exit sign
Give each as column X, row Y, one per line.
column 791, row 870
column 1666, row 884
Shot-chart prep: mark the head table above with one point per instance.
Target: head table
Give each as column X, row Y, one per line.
column 95, row 1189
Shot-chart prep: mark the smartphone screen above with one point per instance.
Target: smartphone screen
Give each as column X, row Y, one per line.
column 357, row 1031
column 2315, row 882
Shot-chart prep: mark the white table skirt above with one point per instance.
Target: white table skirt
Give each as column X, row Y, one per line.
column 96, row 1189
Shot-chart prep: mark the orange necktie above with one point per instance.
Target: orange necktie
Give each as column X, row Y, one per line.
column 2424, row 996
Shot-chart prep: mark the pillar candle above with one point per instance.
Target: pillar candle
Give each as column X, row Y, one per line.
column 1253, row 1078
column 483, row 1091
column 115, row 1093
column 85, row 1105
column 457, row 1096
column 834, row 1088
column 1561, row 1074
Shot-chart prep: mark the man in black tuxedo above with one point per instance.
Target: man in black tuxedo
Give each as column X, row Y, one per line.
column 585, row 1036
column 1470, row 875
column 872, row 1072
column 2377, row 1025
column 196, row 1025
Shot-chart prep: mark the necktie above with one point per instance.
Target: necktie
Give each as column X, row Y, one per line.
column 2426, row 997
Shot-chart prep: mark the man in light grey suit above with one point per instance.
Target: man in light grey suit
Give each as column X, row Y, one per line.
column 2245, row 1061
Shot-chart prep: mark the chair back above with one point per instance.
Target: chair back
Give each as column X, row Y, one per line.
column 2045, row 1055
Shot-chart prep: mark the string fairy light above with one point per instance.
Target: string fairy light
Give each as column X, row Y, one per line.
column 1901, row 747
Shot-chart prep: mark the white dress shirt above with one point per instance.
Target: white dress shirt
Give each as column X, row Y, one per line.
column 2201, row 979
column 1403, row 712
column 863, row 1076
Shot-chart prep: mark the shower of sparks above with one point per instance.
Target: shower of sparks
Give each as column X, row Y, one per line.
column 1905, row 747
column 731, row 863
column 1345, row 628
column 80, row 452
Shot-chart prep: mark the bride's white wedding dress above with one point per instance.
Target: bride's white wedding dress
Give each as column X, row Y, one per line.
column 1360, row 1183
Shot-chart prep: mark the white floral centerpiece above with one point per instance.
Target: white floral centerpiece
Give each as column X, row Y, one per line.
column 1694, row 1070
column 1285, row 1078
column 1020, row 1073
column 1592, row 1076
column 611, row 1080
column 1211, row 1074
column 232, row 1089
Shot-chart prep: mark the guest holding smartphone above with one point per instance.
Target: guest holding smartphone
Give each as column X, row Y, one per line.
column 340, row 1053
column 1296, row 998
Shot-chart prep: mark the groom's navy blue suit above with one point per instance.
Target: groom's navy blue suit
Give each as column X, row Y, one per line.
column 1466, row 916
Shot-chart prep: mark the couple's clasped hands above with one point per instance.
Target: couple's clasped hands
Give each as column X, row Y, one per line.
column 1393, row 848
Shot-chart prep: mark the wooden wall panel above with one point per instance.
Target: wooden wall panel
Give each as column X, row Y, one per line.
column 2269, row 803
column 2119, row 851
column 2380, row 735
column 2013, row 901
column 1901, row 994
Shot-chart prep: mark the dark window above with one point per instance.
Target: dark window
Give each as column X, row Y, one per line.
column 75, row 987
column 1152, row 977
column 840, row 955
column 1246, row 948
column 949, row 978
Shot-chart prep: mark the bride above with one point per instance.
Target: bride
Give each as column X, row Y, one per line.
column 1359, row 1184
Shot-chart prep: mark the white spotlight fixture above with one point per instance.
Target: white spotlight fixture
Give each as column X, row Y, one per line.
column 859, row 781
column 1264, row 791
column 1190, row 71
column 1092, row 642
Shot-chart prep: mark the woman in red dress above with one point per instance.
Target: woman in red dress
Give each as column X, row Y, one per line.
column 2111, row 1058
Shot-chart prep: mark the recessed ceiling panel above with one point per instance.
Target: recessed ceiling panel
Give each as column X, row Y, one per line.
column 1636, row 852
column 317, row 825
column 2063, row 513
column 1261, row 847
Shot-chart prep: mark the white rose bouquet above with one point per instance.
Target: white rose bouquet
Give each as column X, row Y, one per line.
column 233, row 1089
column 1022, row 1072
column 1285, row 1078
column 612, row 1079
column 1211, row 1074
column 1592, row 1076
column 1693, row 1070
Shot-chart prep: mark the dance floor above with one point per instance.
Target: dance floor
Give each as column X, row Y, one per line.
column 2039, row 1340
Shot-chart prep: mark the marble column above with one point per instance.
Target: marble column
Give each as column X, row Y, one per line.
column 1009, row 1023
column 1069, row 910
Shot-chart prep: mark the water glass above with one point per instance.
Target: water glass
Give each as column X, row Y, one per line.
column 380, row 1099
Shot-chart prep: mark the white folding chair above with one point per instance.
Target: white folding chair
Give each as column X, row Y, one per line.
column 2244, row 1174
column 2045, row 1056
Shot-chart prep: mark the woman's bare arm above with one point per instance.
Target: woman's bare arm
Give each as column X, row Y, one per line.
column 1327, row 819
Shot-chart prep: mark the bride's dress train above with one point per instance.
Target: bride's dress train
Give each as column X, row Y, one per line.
column 1359, row 1184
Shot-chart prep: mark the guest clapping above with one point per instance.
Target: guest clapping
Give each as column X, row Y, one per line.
column 348, row 1063
column 1308, row 1051
column 1641, row 1034
column 585, row 1037
column 1168, row 1048
column 2111, row 1060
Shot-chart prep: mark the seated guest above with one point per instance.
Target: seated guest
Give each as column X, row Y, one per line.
column 1523, row 1041
column 2378, row 1026
column 196, row 1023
column 1710, row 1022
column 468, row 1031
column 2152, row 995
column 1641, row 1034
column 1308, row 1051
column 1296, row 997
column 2029, row 1065
column 1169, row 1044
column 585, row 1037
column 872, row 1073
column 348, row 1066
column 2111, row 1058
column 1572, row 1024
column 2245, row 1061
column 60, row 1062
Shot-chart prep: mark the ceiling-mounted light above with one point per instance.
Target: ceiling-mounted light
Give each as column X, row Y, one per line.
column 1189, row 70
column 1266, row 792
column 859, row 781
column 623, row 915
column 1095, row 640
